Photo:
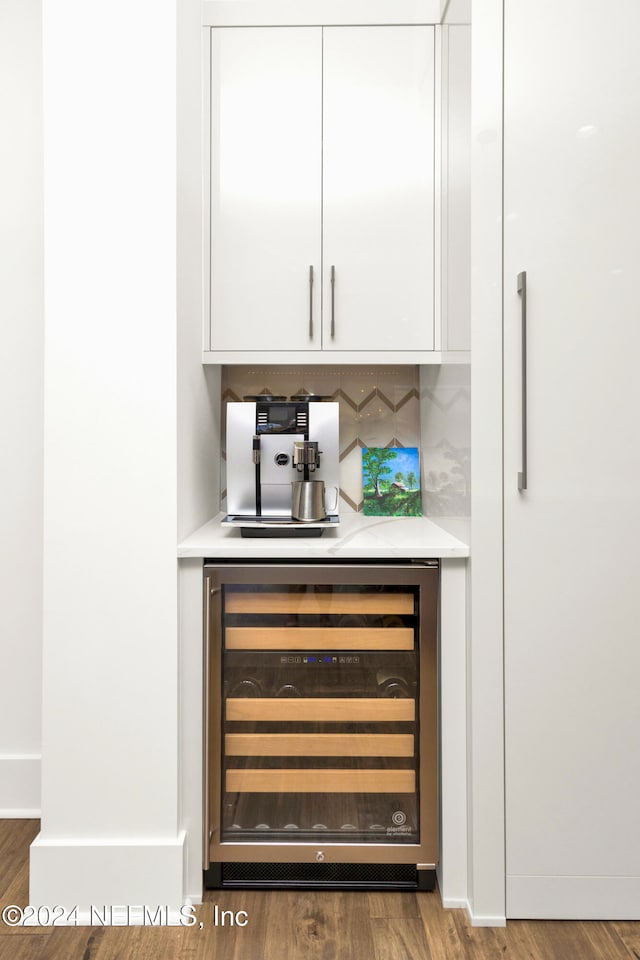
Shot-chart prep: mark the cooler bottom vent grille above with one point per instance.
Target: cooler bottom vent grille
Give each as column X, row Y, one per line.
column 345, row 876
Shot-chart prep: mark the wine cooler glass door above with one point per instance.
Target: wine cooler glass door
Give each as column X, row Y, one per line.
column 323, row 689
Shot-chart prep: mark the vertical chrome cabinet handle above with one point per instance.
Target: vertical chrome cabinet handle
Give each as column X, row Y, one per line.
column 311, row 302
column 522, row 290
column 333, row 302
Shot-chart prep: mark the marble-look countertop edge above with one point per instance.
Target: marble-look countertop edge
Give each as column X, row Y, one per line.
column 357, row 537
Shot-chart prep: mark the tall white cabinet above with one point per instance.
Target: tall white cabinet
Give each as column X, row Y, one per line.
column 572, row 598
column 321, row 238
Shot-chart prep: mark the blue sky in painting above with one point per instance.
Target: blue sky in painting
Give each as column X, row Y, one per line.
column 407, row 459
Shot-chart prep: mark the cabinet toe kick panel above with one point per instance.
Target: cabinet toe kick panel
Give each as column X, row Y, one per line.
column 321, row 725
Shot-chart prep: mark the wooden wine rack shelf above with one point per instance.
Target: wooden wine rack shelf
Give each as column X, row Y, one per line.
column 320, row 781
column 332, row 709
column 319, row 638
column 333, row 603
column 319, row 745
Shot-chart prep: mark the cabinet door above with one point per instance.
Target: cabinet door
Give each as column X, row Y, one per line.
column 572, row 657
column 266, row 102
column 378, row 187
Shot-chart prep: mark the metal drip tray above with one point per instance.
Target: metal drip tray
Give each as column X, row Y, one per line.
column 280, row 526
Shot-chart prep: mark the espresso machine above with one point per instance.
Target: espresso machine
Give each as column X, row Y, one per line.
column 280, row 454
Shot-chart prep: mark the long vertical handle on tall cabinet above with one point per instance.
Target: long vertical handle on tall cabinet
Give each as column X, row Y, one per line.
column 311, row 302
column 522, row 290
column 333, row 304
column 206, row 732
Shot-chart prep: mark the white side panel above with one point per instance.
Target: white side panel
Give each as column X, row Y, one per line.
column 266, row 155
column 458, row 196
column 198, row 388
column 572, row 657
column 110, row 658
column 485, row 652
column 378, row 146
column 191, row 723
column 452, row 872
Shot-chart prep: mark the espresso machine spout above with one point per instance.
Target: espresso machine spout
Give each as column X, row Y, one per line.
column 306, row 456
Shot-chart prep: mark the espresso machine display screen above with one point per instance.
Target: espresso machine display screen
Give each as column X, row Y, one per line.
column 280, row 418
column 282, row 465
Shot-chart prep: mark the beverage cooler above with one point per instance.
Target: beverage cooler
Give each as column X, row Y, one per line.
column 321, row 725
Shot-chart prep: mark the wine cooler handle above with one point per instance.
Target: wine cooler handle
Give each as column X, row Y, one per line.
column 311, row 302
column 522, row 290
column 206, row 675
column 210, row 664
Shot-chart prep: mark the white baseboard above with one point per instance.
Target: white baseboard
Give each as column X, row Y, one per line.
column 573, row 898
column 477, row 920
column 451, row 903
column 19, row 813
column 98, row 874
column 19, row 785
column 194, row 896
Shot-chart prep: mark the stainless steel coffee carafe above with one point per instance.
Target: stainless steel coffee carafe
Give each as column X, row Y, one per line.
column 308, row 500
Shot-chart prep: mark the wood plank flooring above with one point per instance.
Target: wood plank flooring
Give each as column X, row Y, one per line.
column 303, row 925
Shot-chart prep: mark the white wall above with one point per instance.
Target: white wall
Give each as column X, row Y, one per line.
column 110, row 652
column 21, row 359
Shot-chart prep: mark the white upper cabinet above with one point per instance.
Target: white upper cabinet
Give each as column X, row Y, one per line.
column 322, row 186
column 378, row 188
column 266, row 188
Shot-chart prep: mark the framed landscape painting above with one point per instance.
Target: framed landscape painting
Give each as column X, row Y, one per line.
column 391, row 482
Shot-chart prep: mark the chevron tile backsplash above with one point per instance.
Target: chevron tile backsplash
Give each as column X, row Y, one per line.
column 380, row 406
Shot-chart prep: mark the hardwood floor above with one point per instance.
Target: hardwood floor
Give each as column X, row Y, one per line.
column 302, row 925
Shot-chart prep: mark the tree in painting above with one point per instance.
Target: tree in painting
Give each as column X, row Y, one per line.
column 374, row 462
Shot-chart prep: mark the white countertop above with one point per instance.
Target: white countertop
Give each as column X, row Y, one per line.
column 356, row 536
